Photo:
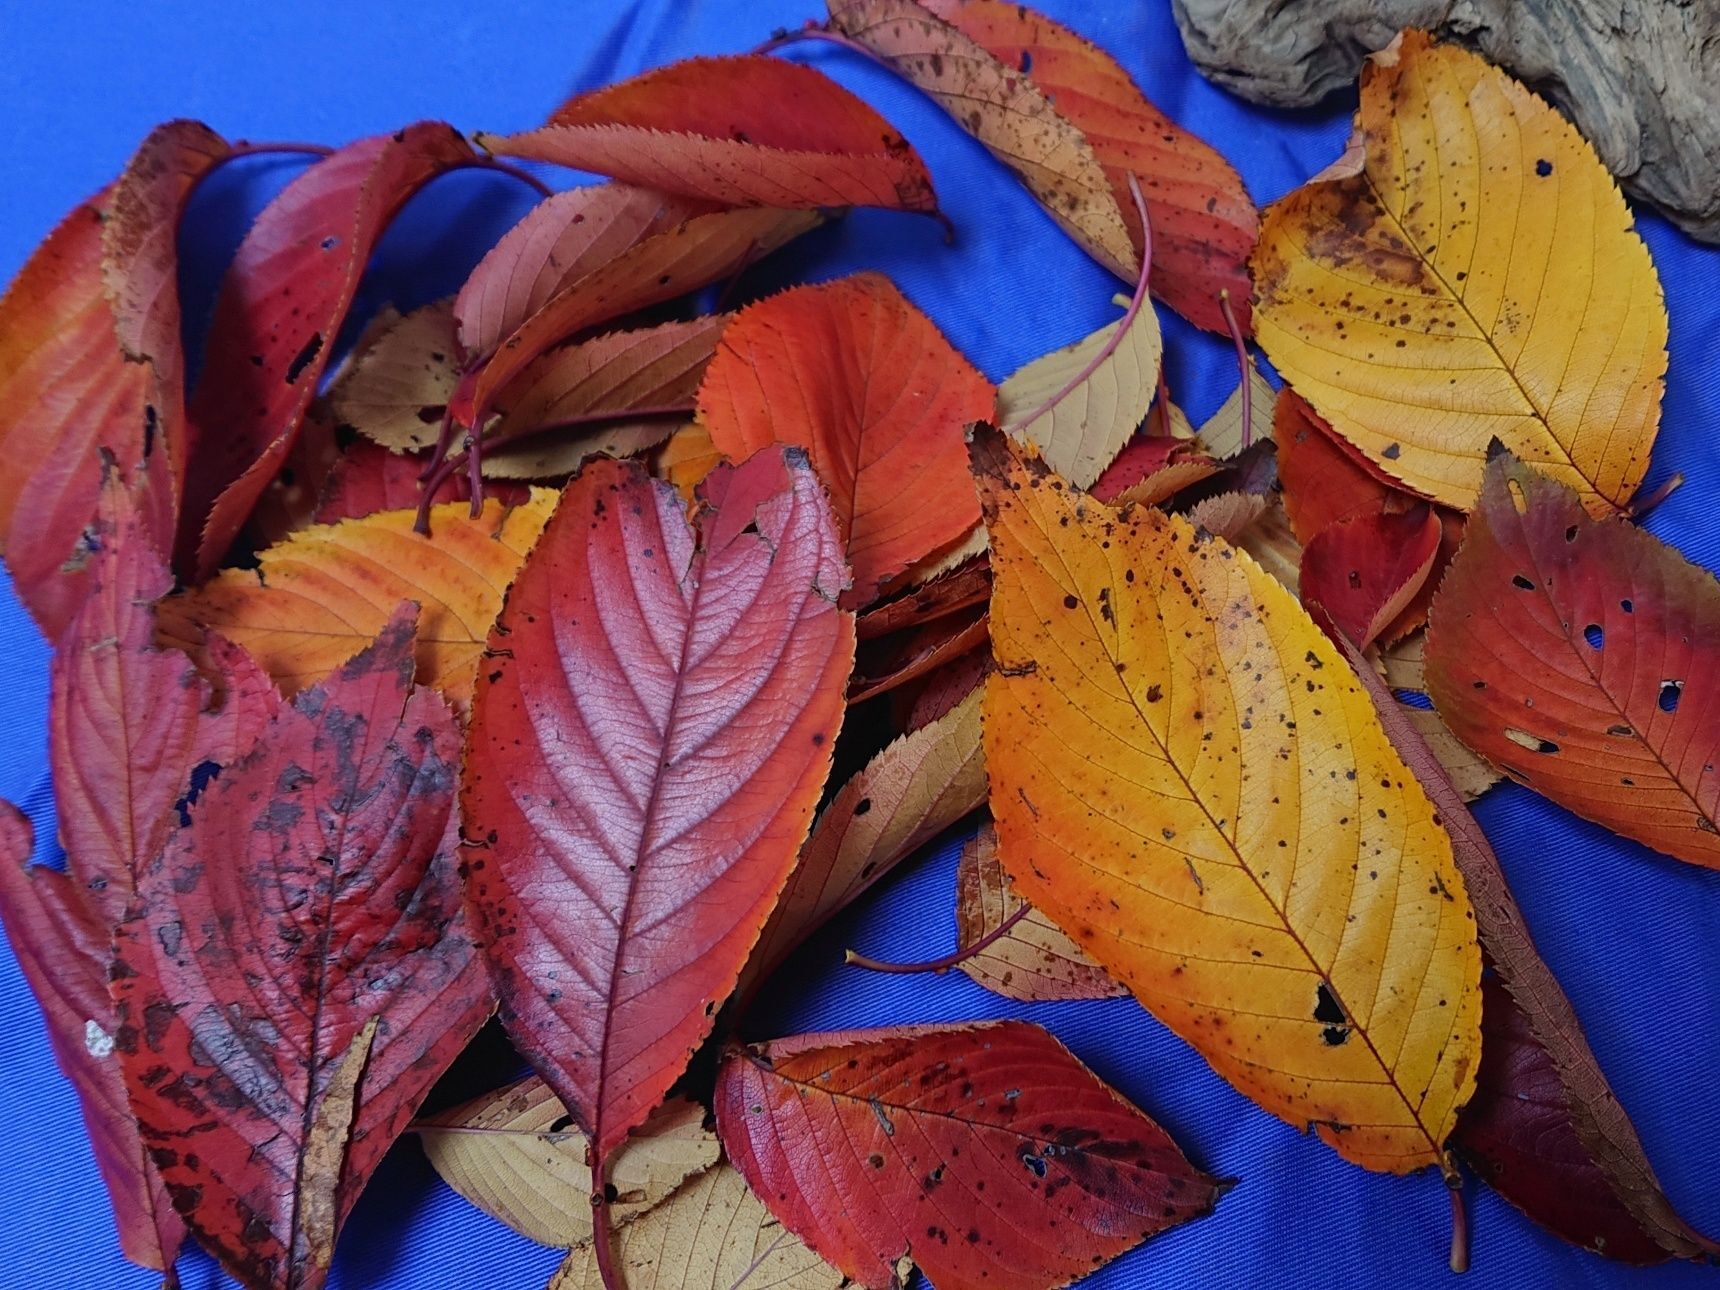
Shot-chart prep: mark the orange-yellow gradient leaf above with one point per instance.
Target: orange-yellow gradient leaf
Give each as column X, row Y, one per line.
column 853, row 373
column 1467, row 272
column 320, row 596
column 1187, row 779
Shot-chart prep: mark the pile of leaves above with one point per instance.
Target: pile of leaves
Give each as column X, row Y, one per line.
column 575, row 647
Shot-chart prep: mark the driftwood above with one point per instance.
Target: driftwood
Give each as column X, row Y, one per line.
column 1640, row 78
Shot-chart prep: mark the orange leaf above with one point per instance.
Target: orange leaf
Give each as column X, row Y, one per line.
column 319, row 597
column 686, row 459
column 852, row 372
column 1186, row 778
column 1581, row 657
column 743, row 130
column 1204, row 224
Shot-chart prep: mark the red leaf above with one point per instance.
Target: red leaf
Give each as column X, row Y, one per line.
column 656, row 268
column 280, row 308
column 564, row 238
column 296, row 972
column 1151, row 468
column 1363, row 573
column 851, row 371
column 1204, row 225
column 63, row 947
column 966, row 585
column 140, row 265
column 124, row 717
column 1582, row 657
column 890, row 662
column 369, row 478
column 742, row 130
column 647, row 745
column 66, row 393
column 986, row 1153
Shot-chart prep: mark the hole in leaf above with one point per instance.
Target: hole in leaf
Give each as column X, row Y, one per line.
column 1534, row 743
column 1413, row 699
column 1035, row 1164
column 1594, row 635
column 1627, row 606
column 1518, row 499
column 1571, row 534
column 1670, row 692
column 1326, row 1007
column 1518, row 580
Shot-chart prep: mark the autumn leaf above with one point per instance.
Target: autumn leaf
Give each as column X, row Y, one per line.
column 657, row 268
column 1363, row 573
column 853, row 373
column 368, row 478
column 1203, row 222
column 959, row 589
column 1153, row 468
column 1049, row 1172
column 1222, row 434
column 1079, row 405
column 280, row 308
column 63, row 945
column 891, row 662
column 741, row 130
column 913, row 790
column 1185, row 779
column 685, row 458
column 652, row 725
column 513, row 1154
column 1575, row 655
column 1467, row 272
column 295, row 973
column 1005, row 111
column 1034, row 961
column 711, row 1234
column 1403, row 667
column 562, row 239
column 66, row 395
column 1544, row 1125
column 315, row 599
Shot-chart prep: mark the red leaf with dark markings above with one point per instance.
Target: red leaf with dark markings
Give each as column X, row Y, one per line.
column 296, row 972
column 280, row 308
column 1364, row 572
column 369, row 478
column 63, row 946
column 742, row 130
column 648, row 740
column 561, row 240
column 986, row 1154
column 66, row 394
column 1204, row 224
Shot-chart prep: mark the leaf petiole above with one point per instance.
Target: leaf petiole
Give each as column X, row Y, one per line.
column 948, row 961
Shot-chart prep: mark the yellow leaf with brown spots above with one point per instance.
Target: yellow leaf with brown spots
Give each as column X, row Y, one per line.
column 322, row 595
column 1467, row 272
column 1188, row 780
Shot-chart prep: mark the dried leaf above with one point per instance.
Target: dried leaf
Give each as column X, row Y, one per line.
column 1203, row 222
column 853, row 373
column 904, row 797
column 63, row 945
column 741, row 130
column 1402, row 665
column 1229, row 515
column 1035, row 961
column 395, row 387
column 1153, row 468
column 948, row 594
column 1363, row 573
column 563, row 239
column 1185, row 780
column 1466, row 273
column 317, row 598
column 687, row 458
column 1006, row 112
column 281, row 306
column 1221, row 433
column 242, row 975
column 1577, row 655
column 890, row 663
column 712, row 1234
column 652, row 726
column 1079, row 405
column 1050, row 1173
column 515, row 1155
column 368, row 478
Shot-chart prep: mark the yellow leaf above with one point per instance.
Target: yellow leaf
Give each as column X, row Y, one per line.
column 322, row 595
column 712, row 1234
column 1467, row 272
column 1034, row 961
column 396, row 385
column 514, row 1155
column 687, row 458
column 1187, row 778
column 1221, row 433
column 1093, row 412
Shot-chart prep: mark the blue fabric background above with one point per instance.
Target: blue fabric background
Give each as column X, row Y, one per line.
column 1631, row 934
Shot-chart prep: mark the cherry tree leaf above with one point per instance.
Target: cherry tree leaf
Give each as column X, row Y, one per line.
column 1363, row 573
column 296, row 973
column 742, row 130
column 280, row 308
column 653, row 722
column 368, row 478
column 853, row 373
column 916, row 1119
